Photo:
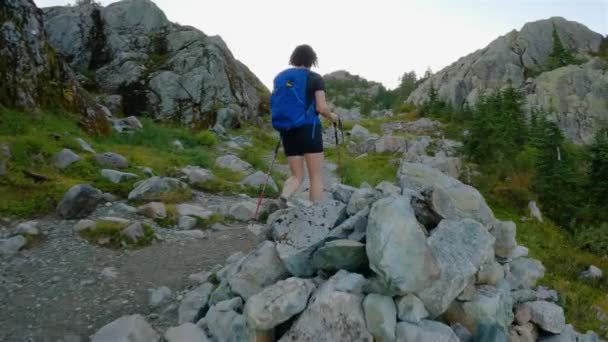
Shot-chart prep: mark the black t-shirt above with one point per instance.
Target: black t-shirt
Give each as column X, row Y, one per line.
column 314, row 84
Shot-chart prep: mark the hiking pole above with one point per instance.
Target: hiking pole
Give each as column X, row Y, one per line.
column 274, row 158
column 339, row 123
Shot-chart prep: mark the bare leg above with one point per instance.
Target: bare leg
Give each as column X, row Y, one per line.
column 296, row 165
column 313, row 163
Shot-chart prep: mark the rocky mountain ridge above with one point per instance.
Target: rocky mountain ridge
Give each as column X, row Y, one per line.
column 576, row 96
column 143, row 63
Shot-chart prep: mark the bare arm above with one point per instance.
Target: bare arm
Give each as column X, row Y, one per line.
column 322, row 107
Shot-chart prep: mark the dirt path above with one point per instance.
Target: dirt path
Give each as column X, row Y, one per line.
column 57, row 288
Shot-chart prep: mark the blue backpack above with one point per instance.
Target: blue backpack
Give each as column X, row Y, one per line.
column 288, row 100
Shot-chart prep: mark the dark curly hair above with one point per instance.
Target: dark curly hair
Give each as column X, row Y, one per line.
column 303, row 55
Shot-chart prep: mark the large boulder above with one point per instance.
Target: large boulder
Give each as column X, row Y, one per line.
column 548, row 316
column 397, row 248
column 79, row 202
column 489, row 305
column 225, row 323
column 259, row 269
column 360, row 199
column 193, row 302
column 111, row 160
column 390, row 144
column 278, row 303
column 381, row 316
column 505, row 233
column 447, row 196
column 187, row 332
column 425, row 331
column 460, row 248
column 170, row 71
column 299, row 231
column 524, row 273
column 410, row 309
column 340, row 255
column 132, row 328
column 65, row 158
column 159, row 189
column 331, row 316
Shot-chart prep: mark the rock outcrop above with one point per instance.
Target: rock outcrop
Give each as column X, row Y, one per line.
column 32, row 74
column 519, row 56
column 170, row 71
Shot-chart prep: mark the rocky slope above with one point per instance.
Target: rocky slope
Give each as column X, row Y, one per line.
column 145, row 64
column 519, row 56
column 32, row 75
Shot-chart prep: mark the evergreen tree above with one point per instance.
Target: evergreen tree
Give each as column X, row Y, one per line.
column 598, row 174
column 560, row 56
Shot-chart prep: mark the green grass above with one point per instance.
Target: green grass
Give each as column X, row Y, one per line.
column 112, row 231
column 172, row 219
column 371, row 169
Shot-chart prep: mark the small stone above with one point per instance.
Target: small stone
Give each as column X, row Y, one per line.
column 233, row 163
column 523, row 314
column 193, row 234
column 187, row 223
column 535, row 212
column 197, row 175
column 160, row 296
column 177, row 145
column 490, row 273
column 259, row 230
column 66, row 158
column 524, row 273
column 12, row 245
column 127, row 329
column 84, row 145
column 592, row 272
column 187, row 332
column 109, row 272
column 411, row 309
column 27, row 228
column 193, row 301
column 111, row 160
column 200, row 278
column 134, row 232
column 153, row 210
column 258, row 179
column 84, row 225
column 340, row 254
column 79, row 202
column 117, row 177
column 243, row 211
column 193, row 211
column 548, row 316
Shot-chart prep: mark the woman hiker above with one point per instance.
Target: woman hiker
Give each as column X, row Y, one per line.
column 297, row 100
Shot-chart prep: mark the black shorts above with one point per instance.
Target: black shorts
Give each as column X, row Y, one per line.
column 300, row 141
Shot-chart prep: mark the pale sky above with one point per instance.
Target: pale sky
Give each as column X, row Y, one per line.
column 378, row 39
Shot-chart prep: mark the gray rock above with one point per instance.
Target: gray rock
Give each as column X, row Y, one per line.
column 449, row 198
column 159, row 296
column 342, row 192
column 278, row 303
column 535, row 211
column 132, row 328
column 12, row 245
column 84, row 145
column 345, row 281
column 5, row 151
column 490, row 273
column 200, row 278
column 411, row 309
column 197, row 175
column 489, row 305
column 224, row 322
column 422, row 126
column 460, row 248
column 259, row 230
column 331, row 316
column 519, row 252
column 259, row 269
column 544, row 293
column 233, row 163
column 548, row 316
column 117, row 177
column 381, row 316
column 156, row 188
column 299, row 231
column 425, row 331
column 111, row 160
column 187, row 223
column 79, row 202
column 524, row 273
column 340, row 254
column 523, row 314
column 134, row 232
column 385, row 189
column 27, row 228
column 390, row 144
column 177, row 145
column 193, row 301
column 525, row 333
column 153, row 210
column 464, row 335
column 451, row 166
column 591, row 273
column 221, row 293
column 192, row 210
column 128, row 124
column 523, row 295
column 359, row 132
column 397, row 248
column 84, row 225
column 65, row 158
column 360, row 199
column 355, row 225
column 243, row 211
column 258, row 179
column 504, row 232
column 187, row 332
